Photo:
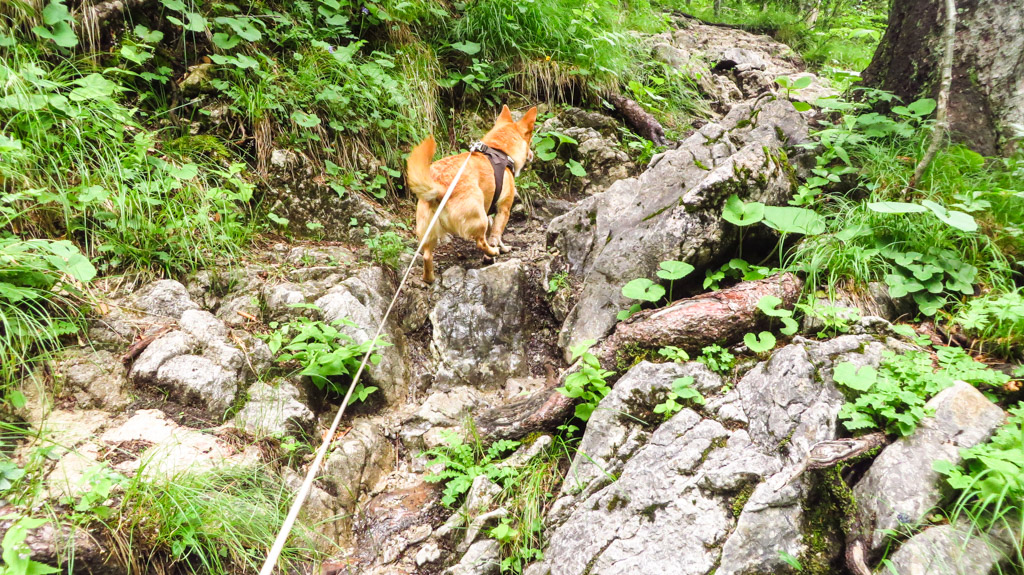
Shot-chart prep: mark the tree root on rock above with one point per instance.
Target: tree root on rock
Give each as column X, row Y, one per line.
column 724, row 316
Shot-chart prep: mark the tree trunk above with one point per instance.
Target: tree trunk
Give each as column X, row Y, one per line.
column 987, row 93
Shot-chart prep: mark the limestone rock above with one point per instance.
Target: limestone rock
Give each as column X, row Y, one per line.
column 363, row 299
column 355, row 465
column 94, row 378
column 482, row 558
column 948, row 550
column 275, row 410
column 166, row 298
column 672, row 507
column 901, row 486
column 478, row 337
column 672, row 211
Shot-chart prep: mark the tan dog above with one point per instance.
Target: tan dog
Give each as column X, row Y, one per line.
column 465, row 213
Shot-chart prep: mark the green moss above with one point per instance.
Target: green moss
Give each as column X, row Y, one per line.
column 741, row 499
column 617, row 502
column 701, row 165
column 629, row 355
column 715, row 444
column 651, row 510
column 198, row 147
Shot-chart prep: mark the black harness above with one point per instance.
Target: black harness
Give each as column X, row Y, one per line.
column 500, row 161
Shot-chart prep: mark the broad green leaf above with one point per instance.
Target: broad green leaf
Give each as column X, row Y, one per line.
column 802, row 82
column 896, row 208
column 801, row 106
column 242, row 26
column 741, row 214
column 60, row 33
column 790, row 326
column 305, row 120
column 93, row 87
column 643, row 289
column 791, row 220
column 225, row 41
column 759, row 343
column 576, row 168
column 959, row 220
column 850, row 376
column 922, row 107
column 673, row 270
column 184, row 172
column 467, row 47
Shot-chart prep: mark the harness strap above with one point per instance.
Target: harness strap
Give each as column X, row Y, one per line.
column 500, row 161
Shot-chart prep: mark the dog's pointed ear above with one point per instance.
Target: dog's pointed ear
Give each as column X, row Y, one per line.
column 528, row 120
column 505, row 116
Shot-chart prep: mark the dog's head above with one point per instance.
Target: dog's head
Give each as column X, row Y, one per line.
column 513, row 137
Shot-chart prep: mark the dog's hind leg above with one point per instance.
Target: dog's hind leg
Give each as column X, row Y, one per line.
column 501, row 217
column 476, row 230
column 424, row 212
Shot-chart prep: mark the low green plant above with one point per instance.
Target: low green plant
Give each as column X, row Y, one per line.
column 461, row 462
column 892, row 397
column 835, row 319
column 645, row 290
column 386, row 247
column 996, row 320
column 16, row 554
column 992, row 472
column 324, row 352
column 673, row 353
column 682, row 393
column 735, row 269
column 588, row 383
column 217, row 522
column 558, row 282
column 717, row 358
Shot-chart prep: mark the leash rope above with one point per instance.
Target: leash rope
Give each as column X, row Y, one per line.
column 314, row 468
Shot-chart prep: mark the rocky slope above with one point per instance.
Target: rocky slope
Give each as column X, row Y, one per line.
column 721, row 489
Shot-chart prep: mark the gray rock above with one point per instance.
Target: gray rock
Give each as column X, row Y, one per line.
column 670, row 508
column 166, row 298
column 672, row 211
column 203, row 326
column 948, row 550
column 95, row 378
column 901, row 486
column 275, row 410
column 478, row 337
column 598, row 147
column 279, row 298
column 165, row 347
column 198, row 381
column 363, row 299
column 449, row 407
column 483, row 558
column 354, row 466
column 198, row 80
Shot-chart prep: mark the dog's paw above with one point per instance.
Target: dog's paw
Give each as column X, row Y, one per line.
column 505, row 249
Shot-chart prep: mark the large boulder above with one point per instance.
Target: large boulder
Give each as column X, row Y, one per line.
column 901, row 486
column 715, row 490
column 673, row 210
column 363, row 299
column 950, row 550
column 478, row 336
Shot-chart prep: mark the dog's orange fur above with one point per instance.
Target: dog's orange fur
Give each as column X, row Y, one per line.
column 465, row 213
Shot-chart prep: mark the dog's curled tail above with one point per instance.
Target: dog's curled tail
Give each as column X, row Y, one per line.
column 417, row 172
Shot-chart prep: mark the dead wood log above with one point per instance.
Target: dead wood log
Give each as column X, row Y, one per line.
column 139, row 346
column 543, row 410
column 724, row 316
column 639, row 119
column 828, row 453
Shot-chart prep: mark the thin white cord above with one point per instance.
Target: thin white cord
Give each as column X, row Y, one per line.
column 314, row 468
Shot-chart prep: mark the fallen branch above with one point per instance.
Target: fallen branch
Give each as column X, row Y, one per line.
column 723, row 317
column 941, row 119
column 543, row 410
column 139, row 346
column 639, row 119
column 828, row 453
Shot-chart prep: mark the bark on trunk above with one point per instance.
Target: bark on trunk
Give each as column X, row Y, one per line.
column 987, row 91
column 642, row 122
column 544, row 410
column 724, row 316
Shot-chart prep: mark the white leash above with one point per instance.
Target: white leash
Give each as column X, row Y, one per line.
column 314, row 468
